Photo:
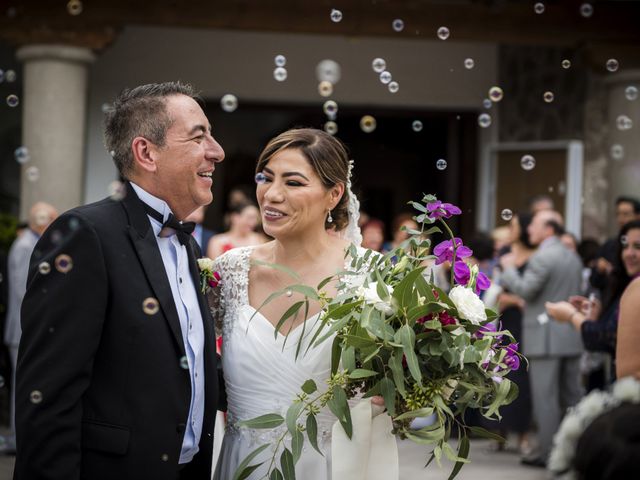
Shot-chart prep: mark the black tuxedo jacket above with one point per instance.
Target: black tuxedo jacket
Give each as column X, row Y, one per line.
column 101, row 393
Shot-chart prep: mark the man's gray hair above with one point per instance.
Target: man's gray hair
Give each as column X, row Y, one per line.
column 140, row 112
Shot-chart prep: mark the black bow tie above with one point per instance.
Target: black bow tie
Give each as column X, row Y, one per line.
column 172, row 225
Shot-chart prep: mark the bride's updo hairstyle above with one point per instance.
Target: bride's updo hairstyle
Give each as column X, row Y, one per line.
column 326, row 155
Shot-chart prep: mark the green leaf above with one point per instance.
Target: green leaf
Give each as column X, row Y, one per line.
column 419, row 207
column 407, row 337
column 388, row 391
column 381, row 288
column 324, row 282
column 426, row 436
column 359, row 342
column 342, row 310
column 270, row 420
column 291, row 311
column 241, row 472
column 423, row 412
column 247, row 471
column 424, row 310
column 276, row 475
column 500, row 397
column 297, row 440
column 451, row 454
column 395, row 364
column 362, row 373
column 293, row 412
column 312, row 432
column 340, row 408
column 287, row 465
column 349, row 359
column 336, row 350
column 404, row 290
column 483, row 433
column 371, row 356
column 305, row 290
column 309, row 387
column 463, row 453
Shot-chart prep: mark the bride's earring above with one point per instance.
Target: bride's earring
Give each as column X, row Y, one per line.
column 329, row 218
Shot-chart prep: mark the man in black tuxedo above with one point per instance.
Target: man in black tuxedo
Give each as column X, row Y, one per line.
column 117, row 371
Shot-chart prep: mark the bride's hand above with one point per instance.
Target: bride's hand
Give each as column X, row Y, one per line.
column 377, row 405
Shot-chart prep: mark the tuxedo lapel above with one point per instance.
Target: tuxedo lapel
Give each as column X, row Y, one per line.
column 146, row 247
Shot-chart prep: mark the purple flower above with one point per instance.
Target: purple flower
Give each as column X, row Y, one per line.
column 511, row 359
column 482, row 282
column 444, row 251
column 488, row 328
column 438, row 210
column 461, row 273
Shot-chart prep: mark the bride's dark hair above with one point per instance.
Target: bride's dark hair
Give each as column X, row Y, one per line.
column 326, row 155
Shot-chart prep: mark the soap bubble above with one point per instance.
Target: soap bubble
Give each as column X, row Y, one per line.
column 368, row 124
column 398, row 25
column 469, row 63
column 617, row 151
column 378, row 65
column 548, row 97
column 612, row 65
column 22, row 155
column 394, row 87
column 566, row 64
column 13, row 100
column 44, row 268
column 280, row 60
column 74, row 7
column 385, row 77
column 631, row 92
column 586, row 10
column 229, row 102
column 487, row 103
column 416, row 126
column 441, row 164
column 528, row 162
column 336, row 15
column 484, row 120
column 32, row 174
column 330, row 107
column 150, row 306
column 506, row 214
column 36, row 397
column 328, row 70
column 496, row 94
column 331, row 127
column 538, row 8
column 325, row 88
column 624, row 123
column 443, row 33
column 280, row 74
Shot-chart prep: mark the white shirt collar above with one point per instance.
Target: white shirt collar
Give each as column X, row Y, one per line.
column 154, row 202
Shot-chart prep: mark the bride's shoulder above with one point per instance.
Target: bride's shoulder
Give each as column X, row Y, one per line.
column 234, row 258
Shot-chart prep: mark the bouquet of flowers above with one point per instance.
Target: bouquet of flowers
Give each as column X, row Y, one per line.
column 397, row 335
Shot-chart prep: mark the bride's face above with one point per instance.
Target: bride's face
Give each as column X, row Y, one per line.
column 291, row 195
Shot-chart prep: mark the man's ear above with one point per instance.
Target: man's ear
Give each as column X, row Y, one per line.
column 144, row 154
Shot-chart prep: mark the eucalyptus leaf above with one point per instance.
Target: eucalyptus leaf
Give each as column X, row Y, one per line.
column 395, row 364
column 362, row 373
column 293, row 412
column 422, row 412
column 241, row 471
column 463, row 453
column 270, row 420
column 349, row 358
column 340, row 408
column 336, row 350
column 276, row 475
column 481, row 432
column 388, row 391
column 312, row 432
column 287, row 465
column 297, row 441
column 309, row 387
column 407, row 337
column 291, row 311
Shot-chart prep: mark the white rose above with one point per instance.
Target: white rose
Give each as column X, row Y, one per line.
column 371, row 296
column 469, row 305
column 205, row 263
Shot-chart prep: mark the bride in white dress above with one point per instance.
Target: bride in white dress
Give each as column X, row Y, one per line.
column 302, row 178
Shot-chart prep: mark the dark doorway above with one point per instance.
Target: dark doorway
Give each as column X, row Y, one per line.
column 393, row 164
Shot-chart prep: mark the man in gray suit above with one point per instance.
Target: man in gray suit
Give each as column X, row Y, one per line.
column 553, row 273
column 40, row 217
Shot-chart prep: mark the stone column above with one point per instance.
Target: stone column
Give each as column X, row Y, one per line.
column 625, row 163
column 54, row 123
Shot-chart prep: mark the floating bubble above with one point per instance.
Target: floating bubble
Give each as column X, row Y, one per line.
column 280, row 74
column 441, row 164
column 624, row 123
column 150, row 306
column 398, row 25
column 10, row 76
column 496, row 94
column 35, row 397
column 22, row 155
column 538, row 8
column 106, row 107
column 469, row 63
column 32, row 173
column 548, row 96
column 63, row 263
column 378, row 65
column 13, row 100
column 74, row 7
column 394, row 87
column 385, row 77
column 164, row 457
column 325, row 88
column 331, row 127
column 617, row 151
column 631, row 92
column 566, row 64
column 443, row 33
column 74, row 223
column 280, row 60
column 586, row 10
column 528, row 162
column 624, row 240
column 328, row 70
column 44, row 268
column 56, row 237
column 336, row 15
column 487, row 103
column 184, row 363
column 416, row 126
column 330, row 107
column 229, row 102
column 484, row 120
column 117, row 190
column 506, row 214
column 368, row 124
column 612, row 65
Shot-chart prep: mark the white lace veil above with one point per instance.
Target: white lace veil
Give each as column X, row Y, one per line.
column 352, row 231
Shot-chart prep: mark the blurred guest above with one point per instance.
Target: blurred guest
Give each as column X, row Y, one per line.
column 627, row 209
column 40, row 217
column 399, row 234
column 570, row 241
column 553, row 349
column 501, row 239
column 588, row 251
column 373, row 235
column 243, row 220
column 516, row 417
column 363, row 218
column 201, row 233
column 598, row 326
column 539, row 203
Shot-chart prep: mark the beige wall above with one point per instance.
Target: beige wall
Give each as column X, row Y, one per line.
column 430, row 73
